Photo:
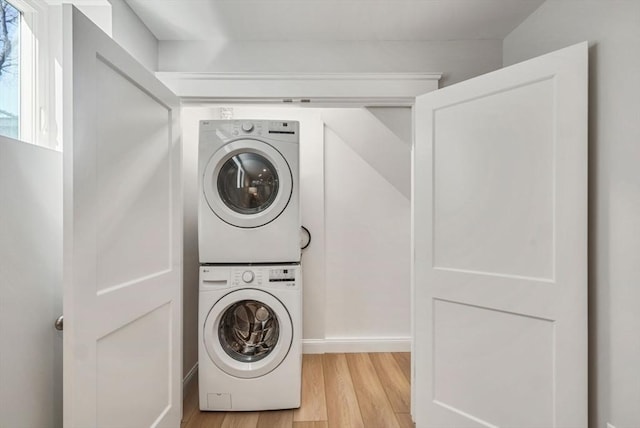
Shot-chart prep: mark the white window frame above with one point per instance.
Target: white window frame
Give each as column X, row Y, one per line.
column 33, row 71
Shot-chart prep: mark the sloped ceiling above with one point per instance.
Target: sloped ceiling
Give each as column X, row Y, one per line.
column 331, row 20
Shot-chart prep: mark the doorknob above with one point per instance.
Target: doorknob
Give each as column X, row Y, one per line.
column 59, row 323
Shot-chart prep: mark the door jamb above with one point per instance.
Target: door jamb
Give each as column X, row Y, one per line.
column 324, row 90
column 307, row 89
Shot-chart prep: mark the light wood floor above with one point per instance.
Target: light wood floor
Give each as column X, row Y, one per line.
column 338, row 391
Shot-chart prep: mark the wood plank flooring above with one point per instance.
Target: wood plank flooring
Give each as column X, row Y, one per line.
column 338, row 391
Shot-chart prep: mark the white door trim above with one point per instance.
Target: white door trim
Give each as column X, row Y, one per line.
column 314, row 89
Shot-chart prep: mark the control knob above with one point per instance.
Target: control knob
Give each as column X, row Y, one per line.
column 247, row 127
column 247, row 276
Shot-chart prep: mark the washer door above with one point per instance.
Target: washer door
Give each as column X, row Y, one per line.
column 247, row 183
column 248, row 333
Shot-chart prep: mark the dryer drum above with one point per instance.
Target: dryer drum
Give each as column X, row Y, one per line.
column 248, row 330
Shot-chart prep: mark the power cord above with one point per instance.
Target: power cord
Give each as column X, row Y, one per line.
column 306, row 242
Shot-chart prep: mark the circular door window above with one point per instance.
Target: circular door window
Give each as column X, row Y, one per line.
column 247, row 183
column 248, row 333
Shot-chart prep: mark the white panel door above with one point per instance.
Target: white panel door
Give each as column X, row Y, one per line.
column 122, row 237
column 500, row 234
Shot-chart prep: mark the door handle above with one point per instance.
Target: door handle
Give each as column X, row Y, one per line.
column 59, row 323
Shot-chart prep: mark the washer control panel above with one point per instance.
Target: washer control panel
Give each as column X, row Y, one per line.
column 247, row 275
column 247, row 127
column 283, row 275
column 264, row 276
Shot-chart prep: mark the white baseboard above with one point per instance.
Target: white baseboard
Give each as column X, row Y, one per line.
column 356, row 344
column 188, row 378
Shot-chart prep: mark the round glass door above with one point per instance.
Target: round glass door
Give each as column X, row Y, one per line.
column 247, row 183
column 248, row 333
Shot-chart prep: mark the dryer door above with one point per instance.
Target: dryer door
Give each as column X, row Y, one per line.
column 248, row 333
column 247, row 183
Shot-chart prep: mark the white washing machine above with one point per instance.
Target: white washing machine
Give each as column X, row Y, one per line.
column 249, row 210
column 250, row 337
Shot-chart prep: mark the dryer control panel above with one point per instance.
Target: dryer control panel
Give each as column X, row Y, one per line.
column 229, row 130
column 283, row 128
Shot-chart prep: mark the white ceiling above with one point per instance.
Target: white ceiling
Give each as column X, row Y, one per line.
column 330, row 20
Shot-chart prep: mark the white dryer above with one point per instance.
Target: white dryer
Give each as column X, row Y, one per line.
column 249, row 210
column 250, row 337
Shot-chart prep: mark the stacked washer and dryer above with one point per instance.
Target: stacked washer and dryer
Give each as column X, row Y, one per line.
column 250, row 299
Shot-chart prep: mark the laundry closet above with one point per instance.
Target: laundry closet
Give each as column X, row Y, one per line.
column 354, row 192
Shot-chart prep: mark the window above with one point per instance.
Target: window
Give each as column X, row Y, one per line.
column 10, row 19
column 24, row 71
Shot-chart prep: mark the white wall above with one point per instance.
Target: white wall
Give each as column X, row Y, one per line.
column 613, row 30
column 131, row 33
column 458, row 60
column 398, row 120
column 368, row 224
column 30, row 285
column 375, row 143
